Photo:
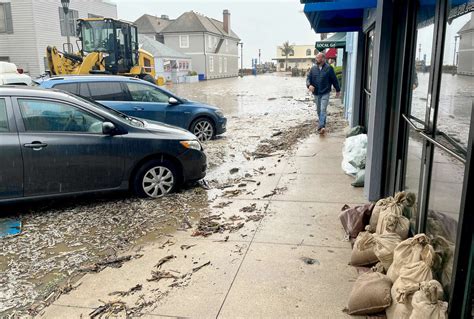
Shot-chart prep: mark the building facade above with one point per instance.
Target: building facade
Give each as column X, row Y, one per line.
column 301, row 58
column 466, row 48
column 212, row 44
column 27, row 27
column 172, row 65
column 419, row 120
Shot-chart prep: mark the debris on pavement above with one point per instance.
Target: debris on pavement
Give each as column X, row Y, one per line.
column 164, row 260
column 129, row 292
column 186, row 247
column 310, row 261
column 234, row 170
column 158, row 275
column 108, row 309
column 115, row 262
column 199, row 267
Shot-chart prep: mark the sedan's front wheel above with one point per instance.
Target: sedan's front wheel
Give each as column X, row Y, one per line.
column 155, row 179
column 203, row 128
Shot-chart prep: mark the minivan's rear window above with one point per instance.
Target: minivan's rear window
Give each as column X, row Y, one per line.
column 3, row 116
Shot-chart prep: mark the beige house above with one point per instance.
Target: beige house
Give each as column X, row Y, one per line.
column 301, row 58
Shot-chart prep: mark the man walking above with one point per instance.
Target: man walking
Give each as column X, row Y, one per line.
column 319, row 81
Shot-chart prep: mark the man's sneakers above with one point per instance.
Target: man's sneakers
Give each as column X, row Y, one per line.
column 322, row 131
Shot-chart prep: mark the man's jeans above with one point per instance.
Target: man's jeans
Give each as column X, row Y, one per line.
column 322, row 102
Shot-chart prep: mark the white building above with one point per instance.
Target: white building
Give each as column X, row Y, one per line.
column 27, row 27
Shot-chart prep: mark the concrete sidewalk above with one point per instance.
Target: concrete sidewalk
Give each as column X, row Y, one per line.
column 259, row 271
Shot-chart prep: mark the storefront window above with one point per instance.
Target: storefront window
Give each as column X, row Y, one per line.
column 452, row 131
column 419, row 103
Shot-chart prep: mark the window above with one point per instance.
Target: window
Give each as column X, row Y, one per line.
column 292, row 53
column 6, row 23
column 220, row 64
column 184, row 41
column 315, row 51
column 68, row 87
column 107, row 91
column 226, row 45
column 225, row 65
column 4, row 59
column 308, row 52
column 145, row 93
column 3, row 117
column 70, row 28
column 211, row 64
column 49, row 116
column 209, row 41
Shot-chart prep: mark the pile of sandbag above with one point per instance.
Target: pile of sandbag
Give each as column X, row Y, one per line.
column 354, row 158
column 401, row 281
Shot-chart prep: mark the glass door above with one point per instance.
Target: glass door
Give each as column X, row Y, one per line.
column 440, row 121
column 369, row 57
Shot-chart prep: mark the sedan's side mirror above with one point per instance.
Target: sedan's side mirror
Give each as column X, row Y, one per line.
column 173, row 101
column 108, row 128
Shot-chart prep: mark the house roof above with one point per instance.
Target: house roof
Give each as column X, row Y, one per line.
column 468, row 26
column 158, row 49
column 151, row 24
column 195, row 22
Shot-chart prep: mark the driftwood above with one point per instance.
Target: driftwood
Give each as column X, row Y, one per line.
column 164, row 260
column 199, row 267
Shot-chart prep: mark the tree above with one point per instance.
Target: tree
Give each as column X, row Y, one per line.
column 286, row 50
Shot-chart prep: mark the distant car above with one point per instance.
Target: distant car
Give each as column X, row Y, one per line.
column 53, row 143
column 9, row 75
column 145, row 100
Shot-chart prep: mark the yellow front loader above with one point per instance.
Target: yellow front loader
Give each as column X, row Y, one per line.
column 108, row 46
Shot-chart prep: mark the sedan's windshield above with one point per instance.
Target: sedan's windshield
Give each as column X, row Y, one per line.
column 129, row 119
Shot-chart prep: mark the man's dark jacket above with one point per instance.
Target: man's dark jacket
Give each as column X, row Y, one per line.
column 322, row 79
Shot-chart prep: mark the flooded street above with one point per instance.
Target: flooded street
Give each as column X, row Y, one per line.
column 60, row 239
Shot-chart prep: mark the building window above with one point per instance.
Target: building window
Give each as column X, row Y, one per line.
column 308, row 52
column 184, row 41
column 225, row 65
column 6, row 23
column 72, row 17
column 315, row 51
column 209, row 41
column 4, row 59
column 282, row 65
column 292, row 53
column 211, row 64
column 226, row 45
column 220, row 64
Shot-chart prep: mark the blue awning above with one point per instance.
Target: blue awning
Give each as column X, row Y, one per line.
column 336, row 15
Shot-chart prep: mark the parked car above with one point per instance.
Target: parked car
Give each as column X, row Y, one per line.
column 145, row 100
column 53, row 143
column 9, row 75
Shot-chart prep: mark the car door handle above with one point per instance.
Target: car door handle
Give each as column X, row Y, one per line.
column 138, row 108
column 37, row 146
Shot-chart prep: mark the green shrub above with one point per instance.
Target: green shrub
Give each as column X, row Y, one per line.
column 192, row 73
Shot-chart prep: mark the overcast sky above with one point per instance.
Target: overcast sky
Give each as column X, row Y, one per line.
column 261, row 24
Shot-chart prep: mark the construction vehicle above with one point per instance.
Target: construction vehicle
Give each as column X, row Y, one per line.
column 107, row 46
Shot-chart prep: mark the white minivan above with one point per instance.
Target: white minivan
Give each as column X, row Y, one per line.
column 9, row 75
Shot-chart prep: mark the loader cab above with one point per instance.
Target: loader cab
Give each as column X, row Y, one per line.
column 116, row 40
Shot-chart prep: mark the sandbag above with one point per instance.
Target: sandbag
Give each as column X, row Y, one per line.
column 408, row 282
column 385, row 245
column 379, row 206
column 355, row 219
column 443, row 268
column 370, row 294
column 359, row 179
column 427, row 302
column 363, row 251
column 408, row 251
column 390, row 221
column 409, row 210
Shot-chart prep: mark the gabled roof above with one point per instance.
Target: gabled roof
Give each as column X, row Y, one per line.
column 158, row 49
column 194, row 22
column 468, row 26
column 151, row 24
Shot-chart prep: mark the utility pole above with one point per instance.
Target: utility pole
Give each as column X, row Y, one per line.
column 419, row 52
column 241, row 58
column 259, row 56
column 65, row 5
column 455, row 43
